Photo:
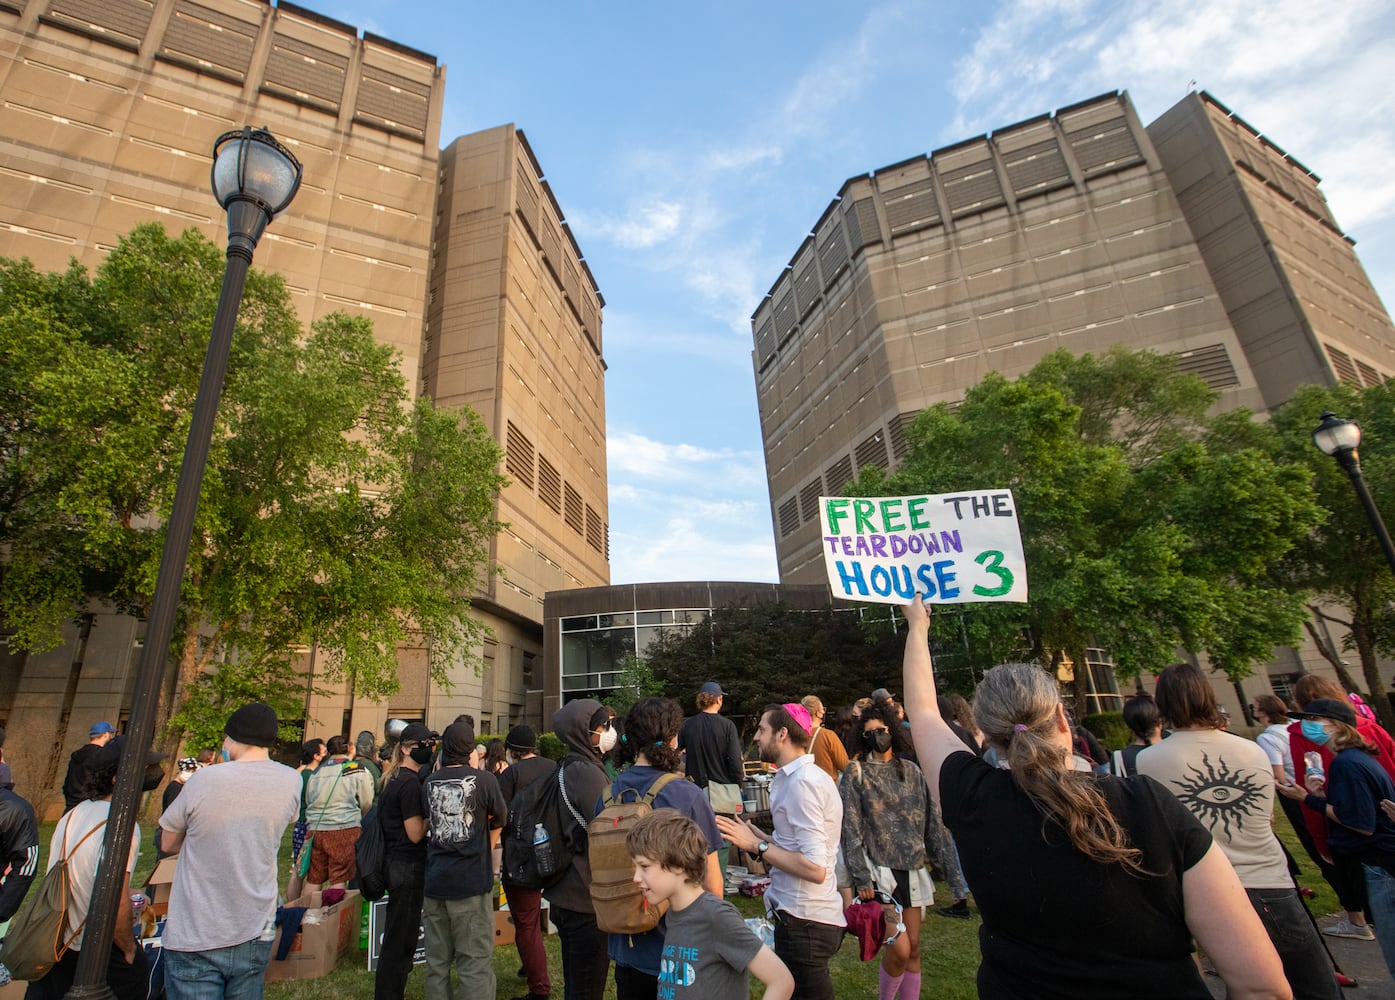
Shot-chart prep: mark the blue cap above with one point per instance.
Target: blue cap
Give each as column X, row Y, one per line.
column 101, row 729
column 711, row 688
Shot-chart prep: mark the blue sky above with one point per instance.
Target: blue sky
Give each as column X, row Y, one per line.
column 693, row 146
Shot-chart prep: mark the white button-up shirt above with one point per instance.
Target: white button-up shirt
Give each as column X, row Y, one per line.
column 807, row 814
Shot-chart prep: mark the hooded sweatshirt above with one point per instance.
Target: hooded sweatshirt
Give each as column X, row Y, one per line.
column 586, row 782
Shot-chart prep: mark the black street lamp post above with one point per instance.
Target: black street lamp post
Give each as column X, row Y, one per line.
column 254, row 178
column 1340, row 439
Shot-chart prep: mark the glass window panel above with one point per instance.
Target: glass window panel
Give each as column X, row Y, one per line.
column 645, row 637
column 625, row 618
column 649, row 617
column 580, row 622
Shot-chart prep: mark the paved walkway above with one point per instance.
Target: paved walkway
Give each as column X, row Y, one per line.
column 1359, row 959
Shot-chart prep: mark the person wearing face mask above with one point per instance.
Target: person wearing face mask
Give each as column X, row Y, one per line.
column 585, row 964
column 605, row 738
column 185, row 768
column 1350, row 793
column 888, row 820
column 227, row 826
column 1346, row 875
column 403, row 816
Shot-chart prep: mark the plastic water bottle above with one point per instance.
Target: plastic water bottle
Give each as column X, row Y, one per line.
column 542, row 851
column 1313, row 760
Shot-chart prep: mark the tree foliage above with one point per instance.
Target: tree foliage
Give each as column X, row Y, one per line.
column 770, row 654
column 334, row 509
column 1341, row 562
column 1147, row 524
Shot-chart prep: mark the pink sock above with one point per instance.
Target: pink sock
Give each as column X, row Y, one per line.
column 910, row 986
column 887, row 985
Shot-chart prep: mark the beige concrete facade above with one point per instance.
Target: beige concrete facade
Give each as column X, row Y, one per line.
column 1079, row 229
column 514, row 330
column 108, row 114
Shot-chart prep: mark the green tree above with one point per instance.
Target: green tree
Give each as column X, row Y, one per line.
column 334, row 510
column 1146, row 525
column 1341, row 562
column 770, row 653
column 637, row 681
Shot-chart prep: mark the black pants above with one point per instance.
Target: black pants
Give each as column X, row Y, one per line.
column 1307, row 966
column 585, row 958
column 806, row 946
column 401, row 927
column 631, row 984
column 127, row 981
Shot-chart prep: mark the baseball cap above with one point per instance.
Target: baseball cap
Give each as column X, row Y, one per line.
column 712, row 688
column 1327, row 708
column 101, row 729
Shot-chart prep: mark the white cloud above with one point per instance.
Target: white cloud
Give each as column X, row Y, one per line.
column 646, row 225
column 689, row 549
column 635, row 456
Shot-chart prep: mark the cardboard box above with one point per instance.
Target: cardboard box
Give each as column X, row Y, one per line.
column 503, row 926
column 158, row 889
column 15, row 990
column 327, row 933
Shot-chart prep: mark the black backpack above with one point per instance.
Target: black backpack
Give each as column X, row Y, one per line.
column 370, row 857
column 533, row 805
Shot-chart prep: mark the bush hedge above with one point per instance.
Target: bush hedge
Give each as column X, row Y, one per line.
column 1109, row 728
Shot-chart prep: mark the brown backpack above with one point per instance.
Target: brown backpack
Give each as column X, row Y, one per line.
column 620, row 905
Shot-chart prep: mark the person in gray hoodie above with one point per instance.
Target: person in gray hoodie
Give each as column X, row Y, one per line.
column 585, row 962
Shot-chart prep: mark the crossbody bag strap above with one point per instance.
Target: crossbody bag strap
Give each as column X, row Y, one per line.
column 65, row 855
column 332, row 788
column 562, row 781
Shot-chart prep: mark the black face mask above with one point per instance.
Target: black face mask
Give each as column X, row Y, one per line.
column 420, row 755
column 878, row 739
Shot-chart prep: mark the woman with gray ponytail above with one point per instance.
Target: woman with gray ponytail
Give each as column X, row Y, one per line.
column 1088, row 886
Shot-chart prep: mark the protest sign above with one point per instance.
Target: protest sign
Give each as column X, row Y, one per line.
column 951, row 548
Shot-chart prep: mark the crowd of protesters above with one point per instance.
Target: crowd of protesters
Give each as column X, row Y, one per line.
column 1162, row 847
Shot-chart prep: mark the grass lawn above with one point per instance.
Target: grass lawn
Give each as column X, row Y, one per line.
column 948, row 948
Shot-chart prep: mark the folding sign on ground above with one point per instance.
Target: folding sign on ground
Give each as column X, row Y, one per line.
column 951, row 548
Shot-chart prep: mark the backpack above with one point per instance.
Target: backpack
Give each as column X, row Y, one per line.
column 370, row 857
column 535, row 804
column 620, row 905
column 37, row 937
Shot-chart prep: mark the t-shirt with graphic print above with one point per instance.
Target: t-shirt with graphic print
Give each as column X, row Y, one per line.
column 462, row 805
column 706, row 951
column 1225, row 781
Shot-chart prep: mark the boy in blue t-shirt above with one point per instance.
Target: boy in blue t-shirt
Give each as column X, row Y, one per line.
column 708, row 949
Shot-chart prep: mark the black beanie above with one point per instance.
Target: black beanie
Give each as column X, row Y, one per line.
column 521, row 738
column 254, row 725
column 457, row 743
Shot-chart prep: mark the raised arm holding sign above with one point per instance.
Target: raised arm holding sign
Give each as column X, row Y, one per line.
column 950, row 548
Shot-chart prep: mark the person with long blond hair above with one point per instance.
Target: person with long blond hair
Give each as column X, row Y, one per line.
column 1048, row 850
column 1350, row 794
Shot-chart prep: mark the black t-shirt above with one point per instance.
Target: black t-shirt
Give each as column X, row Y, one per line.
column 1056, row 923
column 713, row 749
column 523, row 773
column 463, row 804
column 77, row 774
column 401, row 800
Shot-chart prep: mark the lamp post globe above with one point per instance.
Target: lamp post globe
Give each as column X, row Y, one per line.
column 1340, row 439
column 1337, row 437
column 254, row 178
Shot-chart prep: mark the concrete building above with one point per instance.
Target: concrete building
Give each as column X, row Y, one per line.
column 1080, row 229
column 461, row 259
column 514, row 330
